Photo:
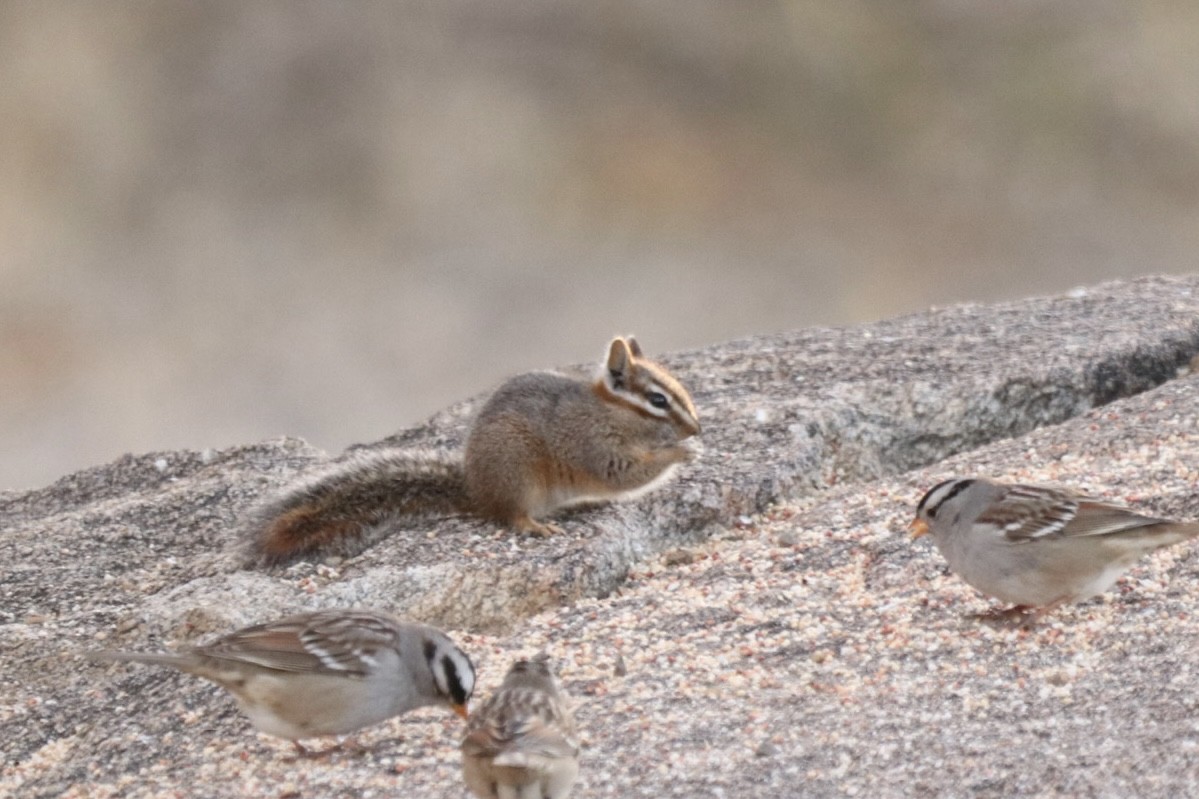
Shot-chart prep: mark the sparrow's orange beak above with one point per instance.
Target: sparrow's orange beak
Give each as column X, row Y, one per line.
column 918, row 527
column 461, row 710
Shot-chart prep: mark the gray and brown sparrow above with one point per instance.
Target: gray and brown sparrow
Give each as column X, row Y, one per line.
column 329, row 672
column 521, row 744
column 1038, row 547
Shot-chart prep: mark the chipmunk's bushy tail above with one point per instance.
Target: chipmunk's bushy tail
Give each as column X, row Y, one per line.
column 343, row 508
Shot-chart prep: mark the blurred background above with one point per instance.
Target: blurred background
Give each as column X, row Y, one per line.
column 226, row 221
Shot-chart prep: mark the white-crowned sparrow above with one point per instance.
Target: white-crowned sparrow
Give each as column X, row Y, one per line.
column 1038, row 546
column 330, row 672
column 521, row 744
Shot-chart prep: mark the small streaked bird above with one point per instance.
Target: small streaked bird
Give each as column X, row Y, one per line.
column 521, row 744
column 330, row 672
column 1038, row 547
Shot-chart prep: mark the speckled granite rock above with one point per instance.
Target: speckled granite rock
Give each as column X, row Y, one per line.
column 796, row 646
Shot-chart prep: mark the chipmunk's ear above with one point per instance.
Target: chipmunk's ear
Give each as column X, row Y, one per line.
column 634, row 347
column 620, row 358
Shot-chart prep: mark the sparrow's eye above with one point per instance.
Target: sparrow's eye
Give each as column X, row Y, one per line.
column 658, row 400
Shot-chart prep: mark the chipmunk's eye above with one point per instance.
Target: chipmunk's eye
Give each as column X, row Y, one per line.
column 658, row 399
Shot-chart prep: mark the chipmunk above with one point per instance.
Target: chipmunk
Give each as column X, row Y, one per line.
column 543, row 441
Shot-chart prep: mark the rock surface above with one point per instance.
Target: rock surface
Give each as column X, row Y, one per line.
column 777, row 633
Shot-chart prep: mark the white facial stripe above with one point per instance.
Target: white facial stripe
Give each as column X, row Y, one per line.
column 643, row 378
column 636, row 396
column 939, row 495
column 464, row 671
